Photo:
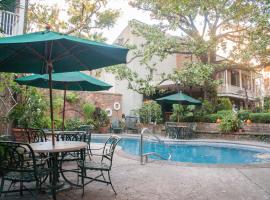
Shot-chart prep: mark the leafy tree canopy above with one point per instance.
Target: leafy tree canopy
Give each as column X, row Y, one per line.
column 85, row 18
column 238, row 29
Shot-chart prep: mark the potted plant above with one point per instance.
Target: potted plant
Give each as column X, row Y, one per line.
column 101, row 120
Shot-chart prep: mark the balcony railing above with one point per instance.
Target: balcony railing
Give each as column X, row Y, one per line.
column 9, row 23
column 236, row 91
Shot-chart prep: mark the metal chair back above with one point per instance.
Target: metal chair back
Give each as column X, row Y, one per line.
column 36, row 135
column 76, row 136
column 109, row 148
column 17, row 157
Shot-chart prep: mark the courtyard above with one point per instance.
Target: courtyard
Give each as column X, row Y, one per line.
column 173, row 181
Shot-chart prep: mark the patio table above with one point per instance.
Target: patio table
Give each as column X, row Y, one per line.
column 59, row 147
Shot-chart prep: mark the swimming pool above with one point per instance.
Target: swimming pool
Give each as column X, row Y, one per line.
column 195, row 152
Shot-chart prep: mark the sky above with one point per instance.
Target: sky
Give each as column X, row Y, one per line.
column 127, row 13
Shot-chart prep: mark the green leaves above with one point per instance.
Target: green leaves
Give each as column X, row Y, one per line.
column 150, row 112
column 84, row 18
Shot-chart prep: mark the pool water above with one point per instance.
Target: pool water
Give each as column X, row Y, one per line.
column 195, row 152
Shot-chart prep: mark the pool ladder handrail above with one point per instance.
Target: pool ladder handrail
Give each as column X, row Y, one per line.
column 146, row 155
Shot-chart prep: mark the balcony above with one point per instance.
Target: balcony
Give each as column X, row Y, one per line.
column 10, row 23
column 227, row 90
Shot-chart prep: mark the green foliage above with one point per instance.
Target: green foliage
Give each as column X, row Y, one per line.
column 224, row 104
column 229, row 122
column 244, row 114
column 211, row 118
column 266, row 105
column 58, row 103
column 72, row 98
column 100, row 119
column 182, row 112
column 195, row 74
column 73, row 124
column 84, row 18
column 260, row 117
column 150, row 112
column 178, row 112
column 205, row 28
column 31, row 112
column 258, row 109
column 206, row 108
column 88, row 110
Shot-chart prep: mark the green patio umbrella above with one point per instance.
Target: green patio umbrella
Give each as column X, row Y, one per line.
column 50, row 52
column 76, row 81
column 179, row 98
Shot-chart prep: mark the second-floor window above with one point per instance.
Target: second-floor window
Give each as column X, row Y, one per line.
column 235, row 78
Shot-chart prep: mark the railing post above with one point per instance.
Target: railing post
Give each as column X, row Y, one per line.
column 141, row 149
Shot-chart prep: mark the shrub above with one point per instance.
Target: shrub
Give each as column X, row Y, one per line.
column 100, row 119
column 224, row 104
column 266, row 105
column 72, row 97
column 206, row 108
column 30, row 112
column 150, row 112
column 258, row 109
column 73, row 124
column 244, row 114
column 229, row 122
column 178, row 113
column 88, row 110
column 211, row 118
column 260, row 117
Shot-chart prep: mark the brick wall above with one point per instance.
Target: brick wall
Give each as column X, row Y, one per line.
column 102, row 99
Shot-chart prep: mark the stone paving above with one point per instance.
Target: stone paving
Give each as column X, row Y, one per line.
column 161, row 180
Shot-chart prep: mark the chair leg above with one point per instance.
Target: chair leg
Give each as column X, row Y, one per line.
column 2, row 187
column 111, row 183
column 103, row 176
column 21, row 188
column 36, row 190
column 83, row 174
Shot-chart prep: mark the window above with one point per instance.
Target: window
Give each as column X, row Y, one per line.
column 235, row 80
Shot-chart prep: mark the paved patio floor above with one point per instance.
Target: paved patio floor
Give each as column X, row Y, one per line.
column 160, row 180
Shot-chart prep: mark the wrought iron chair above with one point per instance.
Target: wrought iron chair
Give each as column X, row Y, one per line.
column 171, row 131
column 189, row 131
column 115, row 127
column 104, row 165
column 70, row 172
column 88, row 129
column 35, row 135
column 18, row 165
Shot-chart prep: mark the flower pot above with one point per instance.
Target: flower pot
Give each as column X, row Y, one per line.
column 103, row 129
column 248, row 122
column 19, row 134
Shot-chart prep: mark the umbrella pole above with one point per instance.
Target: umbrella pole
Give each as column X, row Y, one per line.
column 51, row 102
column 64, row 108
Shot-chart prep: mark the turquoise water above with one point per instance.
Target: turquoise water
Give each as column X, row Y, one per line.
column 194, row 152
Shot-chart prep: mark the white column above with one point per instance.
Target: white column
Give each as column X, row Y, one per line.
column 240, row 78
column 21, row 13
column 226, row 80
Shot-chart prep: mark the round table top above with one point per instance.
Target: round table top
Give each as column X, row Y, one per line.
column 61, row 146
